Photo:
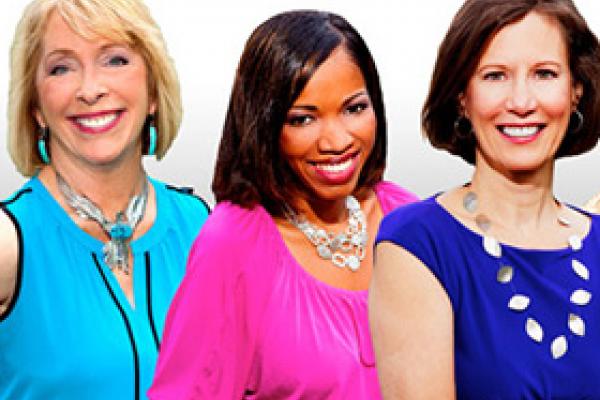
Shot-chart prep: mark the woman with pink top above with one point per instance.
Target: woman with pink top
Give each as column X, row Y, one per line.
column 274, row 303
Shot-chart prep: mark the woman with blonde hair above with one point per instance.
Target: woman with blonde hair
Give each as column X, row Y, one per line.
column 91, row 249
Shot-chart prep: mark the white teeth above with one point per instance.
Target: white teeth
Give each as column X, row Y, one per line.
column 97, row 122
column 516, row 131
column 335, row 167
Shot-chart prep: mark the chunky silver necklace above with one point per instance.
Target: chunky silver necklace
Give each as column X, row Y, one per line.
column 119, row 232
column 346, row 249
column 519, row 301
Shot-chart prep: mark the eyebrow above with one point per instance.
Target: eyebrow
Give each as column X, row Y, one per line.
column 535, row 64
column 61, row 51
column 349, row 99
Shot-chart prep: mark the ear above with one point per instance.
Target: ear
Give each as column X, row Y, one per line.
column 462, row 109
column 577, row 93
column 39, row 117
column 152, row 106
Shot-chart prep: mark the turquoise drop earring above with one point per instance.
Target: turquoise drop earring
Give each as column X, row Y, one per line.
column 42, row 145
column 151, row 140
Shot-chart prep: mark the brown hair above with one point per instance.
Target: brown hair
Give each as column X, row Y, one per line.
column 279, row 59
column 470, row 32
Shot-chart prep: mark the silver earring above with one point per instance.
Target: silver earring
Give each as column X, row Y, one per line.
column 463, row 127
column 579, row 123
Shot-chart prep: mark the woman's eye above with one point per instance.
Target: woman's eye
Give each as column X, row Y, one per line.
column 299, row 120
column 494, row 76
column 59, row 70
column 546, row 74
column 118, row 61
column 356, row 108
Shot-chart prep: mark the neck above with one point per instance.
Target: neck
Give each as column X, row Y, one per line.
column 522, row 199
column 322, row 211
column 109, row 188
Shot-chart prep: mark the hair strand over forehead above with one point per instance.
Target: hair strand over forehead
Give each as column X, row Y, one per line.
column 279, row 59
column 125, row 22
column 470, row 32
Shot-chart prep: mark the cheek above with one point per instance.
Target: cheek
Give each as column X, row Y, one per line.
column 369, row 129
column 297, row 142
column 54, row 97
column 556, row 101
column 133, row 83
column 484, row 103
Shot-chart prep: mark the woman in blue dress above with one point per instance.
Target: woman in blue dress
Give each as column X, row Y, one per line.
column 91, row 249
column 492, row 290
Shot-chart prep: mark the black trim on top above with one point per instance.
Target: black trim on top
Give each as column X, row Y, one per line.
column 16, row 197
column 149, row 300
column 20, row 247
column 190, row 192
column 136, row 361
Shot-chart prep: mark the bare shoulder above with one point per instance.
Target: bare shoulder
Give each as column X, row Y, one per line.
column 9, row 253
column 593, row 205
column 411, row 322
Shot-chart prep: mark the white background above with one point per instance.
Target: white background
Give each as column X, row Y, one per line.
column 206, row 39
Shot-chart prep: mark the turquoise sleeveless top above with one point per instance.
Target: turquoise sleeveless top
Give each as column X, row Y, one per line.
column 69, row 331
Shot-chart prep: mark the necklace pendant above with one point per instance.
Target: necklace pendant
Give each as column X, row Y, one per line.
column 559, row 347
column 534, row 330
column 353, row 263
column 575, row 242
column 470, row 202
column 120, row 230
column 580, row 269
column 116, row 255
column 324, row 252
column 576, row 324
column 492, row 247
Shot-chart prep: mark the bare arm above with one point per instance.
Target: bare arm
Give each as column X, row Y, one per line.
column 8, row 260
column 412, row 325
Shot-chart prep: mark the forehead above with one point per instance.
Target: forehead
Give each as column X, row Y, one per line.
column 337, row 75
column 64, row 27
column 59, row 34
column 534, row 38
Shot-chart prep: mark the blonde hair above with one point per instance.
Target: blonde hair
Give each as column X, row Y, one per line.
column 123, row 21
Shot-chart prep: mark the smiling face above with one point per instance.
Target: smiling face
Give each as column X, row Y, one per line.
column 93, row 95
column 521, row 96
column 330, row 129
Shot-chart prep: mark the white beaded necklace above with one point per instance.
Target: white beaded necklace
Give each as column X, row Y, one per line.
column 336, row 247
column 519, row 302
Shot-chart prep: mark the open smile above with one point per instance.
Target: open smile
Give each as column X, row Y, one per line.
column 338, row 170
column 98, row 122
column 523, row 133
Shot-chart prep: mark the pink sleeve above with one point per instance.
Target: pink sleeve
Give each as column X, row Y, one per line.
column 391, row 196
column 209, row 338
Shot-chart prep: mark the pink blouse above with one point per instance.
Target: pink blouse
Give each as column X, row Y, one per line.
column 248, row 322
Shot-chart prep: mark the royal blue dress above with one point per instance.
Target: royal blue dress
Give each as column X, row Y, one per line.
column 494, row 357
column 69, row 331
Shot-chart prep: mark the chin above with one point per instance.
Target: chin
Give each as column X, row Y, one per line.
column 334, row 192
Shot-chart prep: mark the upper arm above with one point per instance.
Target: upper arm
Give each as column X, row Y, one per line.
column 9, row 255
column 206, row 351
column 412, row 325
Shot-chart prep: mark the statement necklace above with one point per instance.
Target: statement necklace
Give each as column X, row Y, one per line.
column 346, row 249
column 119, row 232
column 520, row 301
